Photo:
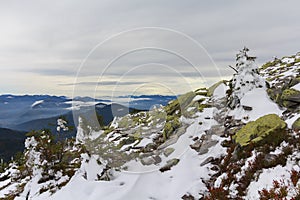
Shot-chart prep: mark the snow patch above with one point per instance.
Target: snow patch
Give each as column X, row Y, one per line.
column 37, row 103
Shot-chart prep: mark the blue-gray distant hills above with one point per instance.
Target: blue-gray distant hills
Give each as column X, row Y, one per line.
column 15, row 111
column 21, row 114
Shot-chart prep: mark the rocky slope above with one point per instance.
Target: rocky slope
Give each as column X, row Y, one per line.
column 238, row 139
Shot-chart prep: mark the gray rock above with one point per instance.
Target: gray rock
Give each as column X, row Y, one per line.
column 206, row 145
column 206, row 161
column 168, row 151
column 216, row 130
column 188, row 197
column 157, row 160
column 150, row 147
column 248, row 108
column 269, row 158
column 170, row 163
column 196, row 146
column 202, row 151
column 147, row 160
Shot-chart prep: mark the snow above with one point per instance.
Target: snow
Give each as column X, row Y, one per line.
column 61, row 125
column 147, row 182
column 291, row 120
column 199, row 97
column 7, row 190
column 77, row 104
column 81, row 136
column 287, row 73
column 296, row 87
column 288, row 60
column 266, row 179
column 156, row 185
column 246, row 166
column 219, row 180
column 261, row 105
column 37, row 103
column 220, row 91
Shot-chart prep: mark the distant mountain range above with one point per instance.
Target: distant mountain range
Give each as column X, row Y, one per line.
column 21, row 114
column 17, row 110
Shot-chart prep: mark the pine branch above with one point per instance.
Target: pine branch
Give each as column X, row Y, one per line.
column 233, row 68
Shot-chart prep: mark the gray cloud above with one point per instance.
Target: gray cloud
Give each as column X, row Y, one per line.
column 103, row 83
column 52, row 38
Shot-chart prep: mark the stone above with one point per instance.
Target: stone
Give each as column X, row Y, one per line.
column 150, row 147
column 296, row 125
column 206, row 161
column 270, row 158
column 290, row 98
column 147, row 161
column 168, row 151
column 269, row 128
column 196, row 146
column 169, row 165
column 248, row 108
column 216, row 130
column 202, row 151
column 188, row 197
column 205, row 145
column 156, row 159
column 215, row 168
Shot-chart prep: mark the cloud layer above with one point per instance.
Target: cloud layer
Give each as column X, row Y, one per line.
column 43, row 44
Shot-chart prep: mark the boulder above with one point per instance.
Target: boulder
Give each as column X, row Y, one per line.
column 206, row 161
column 290, row 98
column 170, row 163
column 267, row 129
column 296, row 125
column 147, row 160
column 206, row 145
column 168, row 151
column 196, row 146
column 248, row 108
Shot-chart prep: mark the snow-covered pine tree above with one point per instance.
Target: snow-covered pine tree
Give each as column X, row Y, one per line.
column 246, row 78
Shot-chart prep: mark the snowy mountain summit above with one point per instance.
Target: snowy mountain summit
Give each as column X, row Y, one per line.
column 238, row 139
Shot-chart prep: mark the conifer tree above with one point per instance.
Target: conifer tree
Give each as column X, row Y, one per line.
column 246, row 78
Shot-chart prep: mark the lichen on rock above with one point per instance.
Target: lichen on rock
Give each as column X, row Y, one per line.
column 267, row 129
column 296, row 125
column 290, row 98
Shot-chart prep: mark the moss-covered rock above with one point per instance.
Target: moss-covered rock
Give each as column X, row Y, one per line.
column 127, row 141
column 211, row 89
column 180, row 104
column 202, row 106
column 267, row 129
column 171, row 125
column 290, row 97
column 290, row 93
column 284, row 95
column 296, row 125
column 201, row 91
column 271, row 64
column 294, row 81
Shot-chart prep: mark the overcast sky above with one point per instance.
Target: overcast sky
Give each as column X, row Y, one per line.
column 43, row 44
